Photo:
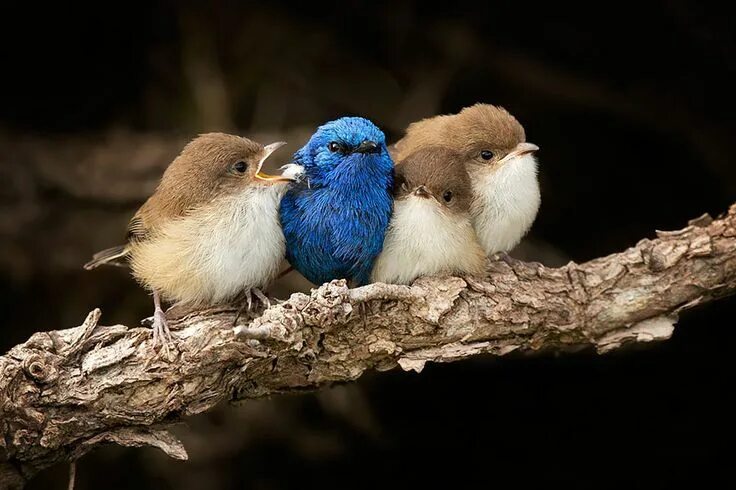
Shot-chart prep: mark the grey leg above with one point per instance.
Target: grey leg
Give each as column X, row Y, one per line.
column 161, row 333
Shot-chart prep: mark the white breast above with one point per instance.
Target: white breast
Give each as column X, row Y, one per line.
column 422, row 240
column 505, row 203
column 214, row 254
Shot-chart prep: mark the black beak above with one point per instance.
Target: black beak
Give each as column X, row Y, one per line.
column 368, row 147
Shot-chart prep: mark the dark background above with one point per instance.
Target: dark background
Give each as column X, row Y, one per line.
column 632, row 106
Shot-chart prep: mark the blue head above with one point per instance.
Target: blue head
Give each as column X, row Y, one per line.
column 344, row 148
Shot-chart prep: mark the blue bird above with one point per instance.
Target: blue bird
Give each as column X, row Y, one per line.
column 335, row 218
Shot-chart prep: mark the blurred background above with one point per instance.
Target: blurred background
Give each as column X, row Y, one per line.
column 633, row 109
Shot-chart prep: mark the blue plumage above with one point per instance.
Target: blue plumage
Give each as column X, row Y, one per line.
column 335, row 219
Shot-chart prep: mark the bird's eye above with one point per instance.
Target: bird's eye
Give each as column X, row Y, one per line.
column 334, row 146
column 240, row 167
column 486, row 154
column 447, row 196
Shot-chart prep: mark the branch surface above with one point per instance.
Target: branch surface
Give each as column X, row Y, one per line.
column 64, row 392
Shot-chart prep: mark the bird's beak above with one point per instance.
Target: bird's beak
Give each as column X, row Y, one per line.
column 422, row 191
column 368, row 147
column 267, row 150
column 521, row 149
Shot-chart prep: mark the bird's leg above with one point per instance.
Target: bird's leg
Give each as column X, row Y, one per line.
column 161, row 332
column 261, row 296
column 503, row 256
column 251, row 294
column 246, row 306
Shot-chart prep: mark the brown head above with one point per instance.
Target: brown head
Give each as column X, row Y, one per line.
column 436, row 173
column 214, row 165
column 221, row 161
column 211, row 166
column 485, row 135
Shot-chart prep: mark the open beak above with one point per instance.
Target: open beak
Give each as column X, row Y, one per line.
column 267, row 150
column 422, row 191
column 521, row 149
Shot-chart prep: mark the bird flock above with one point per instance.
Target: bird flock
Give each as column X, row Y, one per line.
column 454, row 190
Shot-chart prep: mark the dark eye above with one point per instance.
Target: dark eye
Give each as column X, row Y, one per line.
column 240, row 167
column 486, row 154
column 447, row 196
column 334, row 146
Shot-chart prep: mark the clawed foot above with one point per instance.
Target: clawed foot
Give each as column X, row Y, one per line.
column 504, row 257
column 252, row 296
column 160, row 326
column 260, row 296
column 161, row 332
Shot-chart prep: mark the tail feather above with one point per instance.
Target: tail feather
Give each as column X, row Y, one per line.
column 110, row 256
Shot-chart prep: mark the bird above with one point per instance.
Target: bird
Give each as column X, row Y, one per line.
column 336, row 214
column 500, row 163
column 209, row 232
column 431, row 232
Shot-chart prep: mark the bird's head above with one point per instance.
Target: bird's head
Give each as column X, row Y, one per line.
column 343, row 146
column 434, row 176
column 492, row 138
column 218, row 164
column 488, row 138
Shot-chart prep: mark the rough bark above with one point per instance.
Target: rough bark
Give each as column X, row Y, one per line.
column 63, row 392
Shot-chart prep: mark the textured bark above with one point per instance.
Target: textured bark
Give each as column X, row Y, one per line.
column 64, row 392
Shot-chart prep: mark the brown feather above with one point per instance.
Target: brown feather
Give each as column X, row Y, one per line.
column 440, row 170
column 475, row 128
column 194, row 178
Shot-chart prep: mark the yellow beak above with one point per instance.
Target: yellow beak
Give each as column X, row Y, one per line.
column 267, row 150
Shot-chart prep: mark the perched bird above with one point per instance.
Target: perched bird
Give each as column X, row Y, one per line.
column 501, row 165
column 335, row 217
column 431, row 232
column 210, row 231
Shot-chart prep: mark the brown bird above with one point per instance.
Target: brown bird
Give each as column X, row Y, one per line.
column 430, row 232
column 210, row 230
column 501, row 165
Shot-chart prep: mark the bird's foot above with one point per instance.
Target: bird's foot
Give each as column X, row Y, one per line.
column 261, row 296
column 252, row 297
column 161, row 333
column 502, row 257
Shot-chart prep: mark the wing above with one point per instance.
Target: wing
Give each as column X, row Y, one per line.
column 168, row 202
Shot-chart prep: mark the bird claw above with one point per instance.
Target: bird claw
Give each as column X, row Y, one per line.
column 161, row 333
column 252, row 296
column 262, row 297
column 505, row 257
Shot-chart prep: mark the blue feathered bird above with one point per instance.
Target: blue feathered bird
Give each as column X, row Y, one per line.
column 335, row 218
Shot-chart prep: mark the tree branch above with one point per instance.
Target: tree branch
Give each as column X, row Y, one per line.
column 64, row 392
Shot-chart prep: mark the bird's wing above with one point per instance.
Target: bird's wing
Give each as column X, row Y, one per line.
column 146, row 219
column 173, row 198
column 137, row 229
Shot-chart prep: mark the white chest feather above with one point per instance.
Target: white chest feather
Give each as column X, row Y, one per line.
column 214, row 254
column 505, row 203
column 422, row 240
